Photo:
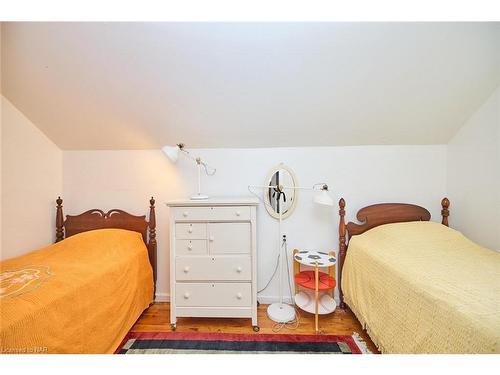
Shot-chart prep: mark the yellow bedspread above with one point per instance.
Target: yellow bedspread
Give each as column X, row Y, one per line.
column 421, row 287
column 81, row 295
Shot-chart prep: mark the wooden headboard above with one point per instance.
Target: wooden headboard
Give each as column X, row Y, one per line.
column 98, row 219
column 379, row 214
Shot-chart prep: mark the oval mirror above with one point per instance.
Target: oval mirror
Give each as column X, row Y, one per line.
column 280, row 198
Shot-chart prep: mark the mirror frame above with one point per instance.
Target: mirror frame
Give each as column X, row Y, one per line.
column 267, row 203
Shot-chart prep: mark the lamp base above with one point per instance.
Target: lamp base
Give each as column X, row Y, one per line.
column 281, row 313
column 199, row 197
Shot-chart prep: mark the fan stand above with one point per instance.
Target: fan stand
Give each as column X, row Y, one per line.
column 280, row 312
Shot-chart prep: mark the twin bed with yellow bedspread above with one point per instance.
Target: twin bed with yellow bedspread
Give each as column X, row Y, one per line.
column 80, row 295
column 421, row 287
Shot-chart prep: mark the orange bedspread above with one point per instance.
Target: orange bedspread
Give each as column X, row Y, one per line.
column 81, row 295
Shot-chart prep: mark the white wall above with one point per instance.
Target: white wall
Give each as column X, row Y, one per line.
column 126, row 180
column 473, row 181
column 31, row 181
column 363, row 175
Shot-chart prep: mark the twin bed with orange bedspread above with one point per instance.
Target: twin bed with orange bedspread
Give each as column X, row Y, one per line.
column 80, row 295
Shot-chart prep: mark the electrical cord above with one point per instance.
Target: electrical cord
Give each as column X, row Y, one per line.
column 272, row 276
column 257, row 196
column 206, row 166
column 198, row 160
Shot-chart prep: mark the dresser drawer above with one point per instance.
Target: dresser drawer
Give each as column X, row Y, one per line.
column 191, row 247
column 213, row 294
column 191, row 213
column 230, row 213
column 191, row 231
column 230, row 238
column 213, row 268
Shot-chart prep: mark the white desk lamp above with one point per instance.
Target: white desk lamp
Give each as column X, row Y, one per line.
column 172, row 152
column 281, row 312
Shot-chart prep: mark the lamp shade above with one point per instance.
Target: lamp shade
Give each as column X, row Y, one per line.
column 323, row 197
column 172, row 152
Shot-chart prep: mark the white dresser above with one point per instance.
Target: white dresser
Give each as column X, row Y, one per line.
column 213, row 264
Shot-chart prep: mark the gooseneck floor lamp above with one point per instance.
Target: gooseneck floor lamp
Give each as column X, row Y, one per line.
column 172, row 152
column 281, row 312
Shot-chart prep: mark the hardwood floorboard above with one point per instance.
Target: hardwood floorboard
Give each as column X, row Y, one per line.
column 157, row 319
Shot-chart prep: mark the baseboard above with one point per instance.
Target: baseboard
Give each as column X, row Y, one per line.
column 266, row 300
column 162, row 297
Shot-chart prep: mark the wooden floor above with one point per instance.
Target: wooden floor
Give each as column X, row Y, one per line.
column 157, row 319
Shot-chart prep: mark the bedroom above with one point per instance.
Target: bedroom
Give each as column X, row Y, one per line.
column 297, row 187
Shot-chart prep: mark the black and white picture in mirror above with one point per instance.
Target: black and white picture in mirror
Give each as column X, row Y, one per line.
column 277, row 198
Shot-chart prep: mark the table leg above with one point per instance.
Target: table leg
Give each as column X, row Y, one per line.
column 316, row 295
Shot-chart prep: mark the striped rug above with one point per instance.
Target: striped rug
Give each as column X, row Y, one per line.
column 226, row 343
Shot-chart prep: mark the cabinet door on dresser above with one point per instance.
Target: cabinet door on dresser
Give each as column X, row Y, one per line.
column 230, row 238
column 213, row 259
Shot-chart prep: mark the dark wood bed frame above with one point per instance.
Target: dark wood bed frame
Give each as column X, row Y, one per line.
column 375, row 215
column 98, row 219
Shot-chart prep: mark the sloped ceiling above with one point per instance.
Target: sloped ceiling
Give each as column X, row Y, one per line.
column 143, row 85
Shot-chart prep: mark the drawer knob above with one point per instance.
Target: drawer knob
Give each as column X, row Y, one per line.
column 238, row 213
column 190, row 247
column 239, row 269
column 186, row 295
column 186, row 269
column 239, row 296
column 185, row 214
column 211, row 239
column 190, row 230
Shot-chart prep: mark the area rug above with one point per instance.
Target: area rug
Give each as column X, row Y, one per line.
column 228, row 343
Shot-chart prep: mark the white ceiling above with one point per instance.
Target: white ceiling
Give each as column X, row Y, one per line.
column 143, row 85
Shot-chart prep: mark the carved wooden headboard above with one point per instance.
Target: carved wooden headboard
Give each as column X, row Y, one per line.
column 379, row 214
column 98, row 219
